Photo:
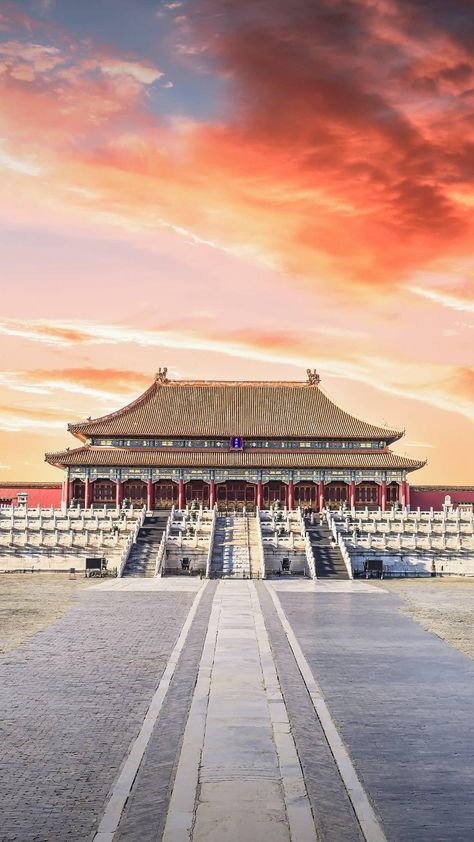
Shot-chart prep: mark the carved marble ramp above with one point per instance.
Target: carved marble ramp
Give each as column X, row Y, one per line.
column 238, row 775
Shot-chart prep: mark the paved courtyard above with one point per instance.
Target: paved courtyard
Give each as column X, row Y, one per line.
column 181, row 710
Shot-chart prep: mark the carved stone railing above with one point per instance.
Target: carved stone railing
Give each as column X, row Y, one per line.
column 161, row 554
column 131, row 540
column 211, row 542
column 260, row 543
column 310, row 558
column 345, row 555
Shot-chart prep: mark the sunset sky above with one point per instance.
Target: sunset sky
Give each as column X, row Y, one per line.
column 238, row 189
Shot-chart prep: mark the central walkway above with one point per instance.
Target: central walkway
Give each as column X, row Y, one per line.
column 235, row 710
column 238, row 776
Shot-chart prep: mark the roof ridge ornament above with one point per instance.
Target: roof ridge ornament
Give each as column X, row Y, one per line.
column 160, row 375
column 313, row 377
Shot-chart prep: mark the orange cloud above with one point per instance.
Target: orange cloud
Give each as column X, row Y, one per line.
column 447, row 299
column 16, row 419
column 330, row 163
column 441, row 386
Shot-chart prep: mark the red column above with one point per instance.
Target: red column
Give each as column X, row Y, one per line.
column 181, row 504
column 118, row 493
column 68, row 492
column 291, row 495
column 352, row 494
column 87, row 493
column 259, row 494
column 212, row 493
column 403, row 493
column 150, row 503
column 408, row 493
column 321, row 495
column 383, row 496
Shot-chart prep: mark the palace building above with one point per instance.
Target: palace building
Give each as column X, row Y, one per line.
column 235, row 444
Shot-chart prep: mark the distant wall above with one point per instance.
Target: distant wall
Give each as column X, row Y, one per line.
column 432, row 496
column 39, row 493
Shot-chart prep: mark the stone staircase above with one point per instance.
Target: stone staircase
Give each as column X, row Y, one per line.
column 230, row 552
column 328, row 557
column 142, row 558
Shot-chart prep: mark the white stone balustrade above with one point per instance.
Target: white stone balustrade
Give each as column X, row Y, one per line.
column 410, row 541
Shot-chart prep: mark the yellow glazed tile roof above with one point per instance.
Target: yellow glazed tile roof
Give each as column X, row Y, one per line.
column 154, row 457
column 203, row 408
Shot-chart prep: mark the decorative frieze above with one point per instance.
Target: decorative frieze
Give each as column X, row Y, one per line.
column 173, row 474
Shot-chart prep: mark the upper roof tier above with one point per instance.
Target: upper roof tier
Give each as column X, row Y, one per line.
column 207, row 408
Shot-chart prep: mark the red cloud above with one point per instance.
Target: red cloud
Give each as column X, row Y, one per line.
column 346, row 145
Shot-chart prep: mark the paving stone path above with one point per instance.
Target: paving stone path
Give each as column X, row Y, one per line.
column 403, row 702
column 243, row 744
column 71, row 701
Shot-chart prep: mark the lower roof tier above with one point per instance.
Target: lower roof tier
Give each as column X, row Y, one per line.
column 153, row 457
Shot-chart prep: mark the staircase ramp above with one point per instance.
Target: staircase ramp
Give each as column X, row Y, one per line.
column 327, row 555
column 142, row 558
column 230, row 553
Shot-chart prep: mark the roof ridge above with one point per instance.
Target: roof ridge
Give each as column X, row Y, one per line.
column 300, row 383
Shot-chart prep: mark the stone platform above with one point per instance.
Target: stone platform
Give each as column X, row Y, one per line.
column 181, row 710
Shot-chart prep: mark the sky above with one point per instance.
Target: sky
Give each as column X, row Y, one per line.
column 237, row 189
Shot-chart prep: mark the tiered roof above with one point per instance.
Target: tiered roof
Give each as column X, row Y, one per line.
column 206, row 408
column 200, row 409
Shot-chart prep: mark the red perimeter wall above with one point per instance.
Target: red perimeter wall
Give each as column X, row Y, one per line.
column 427, row 496
column 50, row 493
column 39, row 493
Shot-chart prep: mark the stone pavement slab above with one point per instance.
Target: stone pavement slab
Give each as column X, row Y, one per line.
column 73, row 699
column 134, row 584
column 334, row 816
column 145, row 812
column 402, row 700
column 325, row 586
column 238, row 776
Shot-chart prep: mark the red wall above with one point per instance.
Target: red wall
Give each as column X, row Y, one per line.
column 42, row 494
column 433, row 496
column 49, row 494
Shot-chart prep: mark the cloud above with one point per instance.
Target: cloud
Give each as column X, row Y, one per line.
column 14, row 419
column 141, row 72
column 9, row 162
column 442, row 386
column 446, row 299
column 107, row 385
column 330, row 160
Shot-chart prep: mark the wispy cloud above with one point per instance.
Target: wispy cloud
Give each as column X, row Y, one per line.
column 17, row 165
column 445, row 387
column 446, row 299
column 14, row 419
column 106, row 385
